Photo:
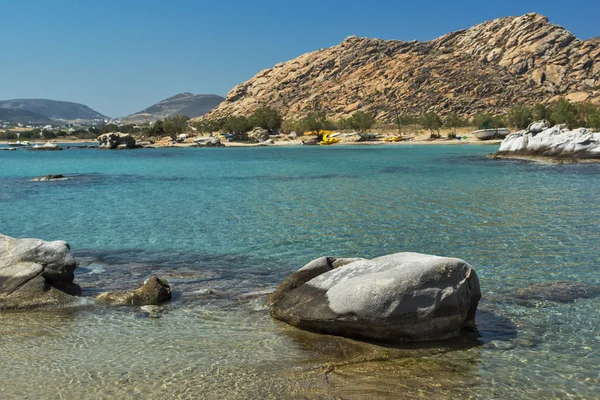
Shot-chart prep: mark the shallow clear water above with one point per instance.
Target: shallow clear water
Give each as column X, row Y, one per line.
column 237, row 221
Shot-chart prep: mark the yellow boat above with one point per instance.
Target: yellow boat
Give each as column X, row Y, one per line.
column 394, row 139
column 328, row 138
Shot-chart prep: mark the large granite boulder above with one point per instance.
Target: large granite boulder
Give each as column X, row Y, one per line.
column 557, row 142
column 258, row 135
column 36, row 273
column 397, row 297
column 154, row 291
column 208, row 142
column 115, row 140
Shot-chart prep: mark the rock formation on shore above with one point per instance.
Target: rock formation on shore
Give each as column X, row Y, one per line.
column 117, row 140
column 398, row 297
column 36, row 273
column 208, row 142
column 489, row 67
column 558, row 142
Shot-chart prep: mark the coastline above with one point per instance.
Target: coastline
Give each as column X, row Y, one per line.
column 298, row 142
column 545, row 160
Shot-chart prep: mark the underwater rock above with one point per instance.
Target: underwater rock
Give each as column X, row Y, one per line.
column 397, row 297
column 48, row 178
column 154, row 291
column 36, row 273
column 558, row 291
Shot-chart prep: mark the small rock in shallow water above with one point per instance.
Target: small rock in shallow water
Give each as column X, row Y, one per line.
column 154, row 291
column 502, row 345
column 558, row 291
column 152, row 311
column 49, row 178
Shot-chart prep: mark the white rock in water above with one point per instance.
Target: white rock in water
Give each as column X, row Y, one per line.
column 554, row 142
column 398, row 297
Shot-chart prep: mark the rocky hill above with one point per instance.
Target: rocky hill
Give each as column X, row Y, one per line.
column 23, row 117
column 489, row 67
column 42, row 110
column 192, row 105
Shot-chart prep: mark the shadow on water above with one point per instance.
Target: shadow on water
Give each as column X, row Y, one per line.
column 340, row 367
column 190, row 274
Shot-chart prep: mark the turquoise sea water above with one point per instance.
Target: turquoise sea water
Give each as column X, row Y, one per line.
column 225, row 226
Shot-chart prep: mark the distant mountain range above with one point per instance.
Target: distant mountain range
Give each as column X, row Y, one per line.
column 42, row 111
column 192, row 105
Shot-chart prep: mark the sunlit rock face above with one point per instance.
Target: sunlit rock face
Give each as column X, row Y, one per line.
column 556, row 142
column 394, row 298
column 487, row 68
column 35, row 273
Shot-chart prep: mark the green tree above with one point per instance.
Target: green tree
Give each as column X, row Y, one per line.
column 563, row 112
column 431, row 121
column 315, row 122
column 453, row 121
column 540, row 112
column 520, row 117
column 208, row 125
column 238, row 127
column 175, row 125
column 488, row 121
column 584, row 114
column 46, row 134
column 403, row 120
column 362, row 121
column 157, row 129
column 107, row 128
column 265, row 117
column 344, row 123
column 594, row 119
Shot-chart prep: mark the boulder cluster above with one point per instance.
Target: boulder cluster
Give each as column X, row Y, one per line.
column 117, row 140
column 557, row 142
column 36, row 273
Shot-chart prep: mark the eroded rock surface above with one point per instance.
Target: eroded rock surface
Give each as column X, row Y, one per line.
column 398, row 297
column 36, row 273
column 116, row 140
column 489, row 67
column 557, row 142
column 208, row 142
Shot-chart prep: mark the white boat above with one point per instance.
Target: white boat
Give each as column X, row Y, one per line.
column 494, row 133
column 19, row 144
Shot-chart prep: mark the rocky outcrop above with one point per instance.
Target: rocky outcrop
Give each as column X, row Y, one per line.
column 116, row 140
column 36, row 273
column 57, row 177
column 258, row 135
column 208, row 142
column 489, row 67
column 557, row 142
column 398, row 297
column 154, row 291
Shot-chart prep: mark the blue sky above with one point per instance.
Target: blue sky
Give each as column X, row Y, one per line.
column 119, row 57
